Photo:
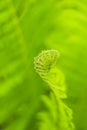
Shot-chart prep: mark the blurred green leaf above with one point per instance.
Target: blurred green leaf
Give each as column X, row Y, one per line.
column 26, row 27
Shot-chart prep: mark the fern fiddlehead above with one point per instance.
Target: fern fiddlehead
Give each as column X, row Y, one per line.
column 44, row 66
column 44, row 61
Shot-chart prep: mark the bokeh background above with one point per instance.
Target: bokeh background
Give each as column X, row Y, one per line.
column 26, row 28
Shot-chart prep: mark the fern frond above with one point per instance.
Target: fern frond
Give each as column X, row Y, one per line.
column 12, row 47
column 14, row 70
column 44, row 63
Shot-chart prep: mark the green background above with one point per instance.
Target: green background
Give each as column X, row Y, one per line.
column 26, row 28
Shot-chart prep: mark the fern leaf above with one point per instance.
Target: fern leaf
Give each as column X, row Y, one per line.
column 11, row 38
column 14, row 71
column 44, row 67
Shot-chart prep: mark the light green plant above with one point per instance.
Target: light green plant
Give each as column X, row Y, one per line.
column 25, row 28
column 60, row 115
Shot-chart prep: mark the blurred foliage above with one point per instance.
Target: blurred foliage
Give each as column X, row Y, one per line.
column 26, row 27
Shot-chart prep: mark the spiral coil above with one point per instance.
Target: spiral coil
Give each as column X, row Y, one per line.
column 45, row 61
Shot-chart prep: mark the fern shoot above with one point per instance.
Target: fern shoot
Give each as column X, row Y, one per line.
column 44, row 65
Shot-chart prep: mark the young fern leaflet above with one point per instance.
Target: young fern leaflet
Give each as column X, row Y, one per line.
column 44, row 66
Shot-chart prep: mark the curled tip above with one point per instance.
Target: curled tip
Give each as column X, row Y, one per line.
column 45, row 60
